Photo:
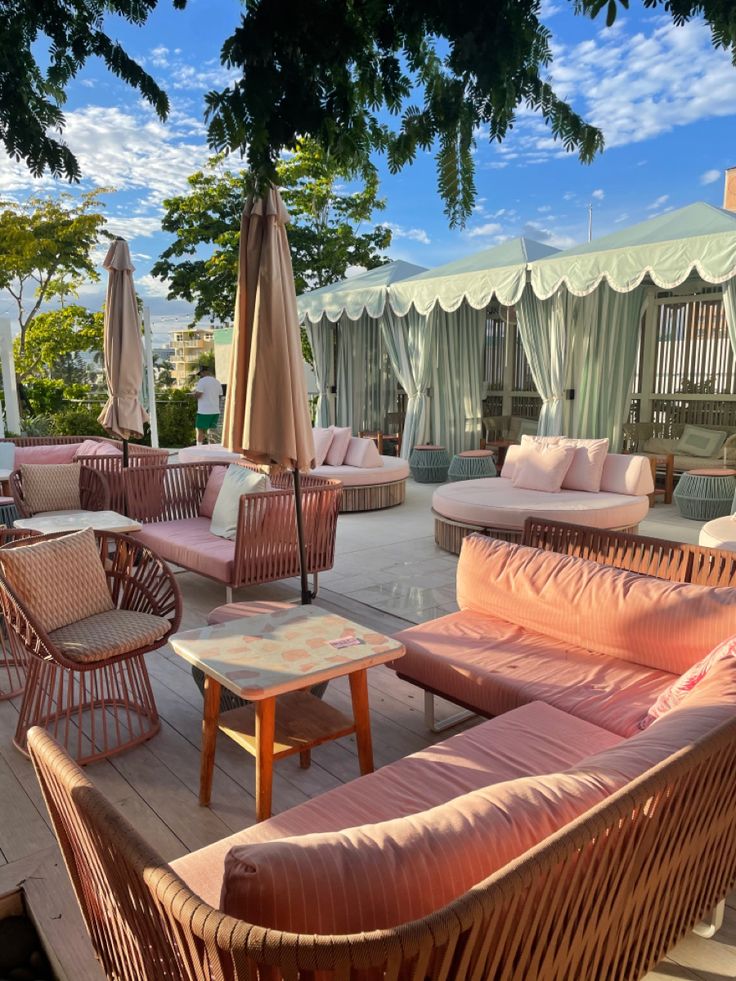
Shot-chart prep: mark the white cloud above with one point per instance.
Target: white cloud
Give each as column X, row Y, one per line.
column 598, row 194
column 710, row 176
column 131, row 228
column 148, row 285
column 413, row 234
column 548, row 236
column 159, row 56
column 660, row 202
column 544, row 209
column 621, row 218
column 482, row 231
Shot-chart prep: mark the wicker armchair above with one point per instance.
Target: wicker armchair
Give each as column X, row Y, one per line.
column 13, row 659
column 101, row 706
column 94, row 492
column 265, row 546
column 606, row 896
column 112, row 468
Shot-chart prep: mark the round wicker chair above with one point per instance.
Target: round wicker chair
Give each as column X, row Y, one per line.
column 95, row 708
column 94, row 491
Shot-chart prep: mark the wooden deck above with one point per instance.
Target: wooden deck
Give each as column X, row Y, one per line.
column 156, row 785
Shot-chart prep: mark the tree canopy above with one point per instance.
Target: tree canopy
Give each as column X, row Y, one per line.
column 330, row 228
column 33, row 81
column 46, row 250
column 54, row 342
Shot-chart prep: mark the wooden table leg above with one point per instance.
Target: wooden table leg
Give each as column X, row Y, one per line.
column 361, row 714
column 212, row 691
column 265, row 729
column 305, row 759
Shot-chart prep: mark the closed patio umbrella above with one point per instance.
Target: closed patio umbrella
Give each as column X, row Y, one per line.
column 123, row 414
column 266, row 410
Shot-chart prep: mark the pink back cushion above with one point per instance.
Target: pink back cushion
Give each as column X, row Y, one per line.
column 542, row 467
column 322, row 439
column 362, row 453
column 513, row 454
column 380, row 875
column 211, row 491
column 624, row 474
column 679, row 690
column 51, row 453
column 338, row 447
column 663, row 625
column 89, row 447
column 586, row 469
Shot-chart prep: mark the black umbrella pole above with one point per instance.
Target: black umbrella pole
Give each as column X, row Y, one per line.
column 306, row 594
column 125, row 452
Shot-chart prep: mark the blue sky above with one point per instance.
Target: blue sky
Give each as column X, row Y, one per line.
column 663, row 97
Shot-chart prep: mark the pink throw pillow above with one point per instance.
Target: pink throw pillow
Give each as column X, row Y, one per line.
column 513, row 455
column 211, row 491
column 322, row 441
column 107, row 449
column 338, row 447
column 671, row 697
column 362, row 453
column 87, row 447
column 586, row 469
column 543, row 468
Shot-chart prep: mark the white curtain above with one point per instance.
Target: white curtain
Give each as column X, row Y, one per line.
column 608, row 326
column 409, row 342
column 366, row 387
column 321, row 334
column 543, row 328
column 456, row 405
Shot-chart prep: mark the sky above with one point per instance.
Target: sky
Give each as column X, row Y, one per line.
column 664, row 98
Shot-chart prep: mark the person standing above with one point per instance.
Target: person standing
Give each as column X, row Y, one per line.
column 208, row 392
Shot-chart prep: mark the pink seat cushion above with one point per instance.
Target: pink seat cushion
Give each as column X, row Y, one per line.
column 52, row 453
column 532, row 740
column 380, row 875
column 668, row 626
column 494, row 666
column 211, row 491
column 493, row 502
column 189, row 543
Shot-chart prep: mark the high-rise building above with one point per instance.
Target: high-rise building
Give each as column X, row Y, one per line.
column 189, row 346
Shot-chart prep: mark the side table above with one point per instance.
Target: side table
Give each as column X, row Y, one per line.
column 271, row 660
column 666, row 462
column 472, row 464
column 429, row 464
column 705, row 494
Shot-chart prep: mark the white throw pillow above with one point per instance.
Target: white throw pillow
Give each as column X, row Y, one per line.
column 322, row 440
column 696, row 441
column 542, row 468
column 238, row 481
column 362, row 453
column 339, row 446
column 586, row 468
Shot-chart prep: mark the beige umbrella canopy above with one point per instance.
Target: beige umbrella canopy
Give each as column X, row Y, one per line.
column 123, row 414
column 266, row 410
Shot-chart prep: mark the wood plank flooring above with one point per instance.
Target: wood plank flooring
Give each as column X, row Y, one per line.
column 155, row 786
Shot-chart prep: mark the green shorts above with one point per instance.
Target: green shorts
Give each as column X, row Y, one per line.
column 206, row 421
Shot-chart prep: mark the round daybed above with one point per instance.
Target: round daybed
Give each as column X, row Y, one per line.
column 719, row 533
column 494, row 507
column 363, row 488
column 370, row 488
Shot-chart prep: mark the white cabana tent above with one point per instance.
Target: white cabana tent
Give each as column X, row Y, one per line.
column 591, row 299
column 350, row 360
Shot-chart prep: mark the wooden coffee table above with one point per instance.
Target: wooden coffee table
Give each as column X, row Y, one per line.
column 271, row 660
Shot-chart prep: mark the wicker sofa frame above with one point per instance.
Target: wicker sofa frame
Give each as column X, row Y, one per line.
column 607, row 896
column 102, row 707
column 265, row 544
column 13, row 658
column 637, row 433
column 94, row 491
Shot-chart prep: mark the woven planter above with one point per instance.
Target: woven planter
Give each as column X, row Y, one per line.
column 702, row 495
column 429, row 464
column 471, row 465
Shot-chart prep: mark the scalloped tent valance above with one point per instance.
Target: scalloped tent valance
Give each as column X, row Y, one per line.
column 500, row 271
column 365, row 293
column 665, row 250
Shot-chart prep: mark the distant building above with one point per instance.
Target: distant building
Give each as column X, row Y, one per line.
column 189, row 346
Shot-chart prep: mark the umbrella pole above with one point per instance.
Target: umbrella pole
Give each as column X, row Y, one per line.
column 125, row 453
column 306, row 594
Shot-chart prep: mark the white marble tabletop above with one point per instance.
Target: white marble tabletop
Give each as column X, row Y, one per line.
column 52, row 521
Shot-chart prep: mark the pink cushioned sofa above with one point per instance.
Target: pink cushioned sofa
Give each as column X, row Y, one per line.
column 578, row 834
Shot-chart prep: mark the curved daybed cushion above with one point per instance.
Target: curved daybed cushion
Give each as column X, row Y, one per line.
column 493, row 502
column 719, row 533
column 393, row 469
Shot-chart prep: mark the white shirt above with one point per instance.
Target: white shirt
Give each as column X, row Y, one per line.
column 208, row 404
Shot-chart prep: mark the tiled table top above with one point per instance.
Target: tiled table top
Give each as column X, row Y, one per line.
column 286, row 650
column 52, row 521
